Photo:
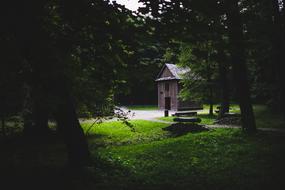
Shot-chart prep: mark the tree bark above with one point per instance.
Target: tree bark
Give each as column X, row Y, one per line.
column 36, row 112
column 28, row 112
column 210, row 84
column 223, row 75
column 238, row 60
column 41, row 112
column 69, row 127
column 278, row 50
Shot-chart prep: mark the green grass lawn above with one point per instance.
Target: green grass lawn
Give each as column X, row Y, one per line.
column 116, row 133
column 155, row 159
column 150, row 157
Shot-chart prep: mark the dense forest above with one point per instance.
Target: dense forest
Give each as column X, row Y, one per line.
column 62, row 60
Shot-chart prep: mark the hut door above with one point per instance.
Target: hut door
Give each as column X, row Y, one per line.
column 167, row 103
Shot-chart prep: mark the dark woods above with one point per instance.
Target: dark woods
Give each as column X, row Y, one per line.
column 61, row 60
column 235, row 45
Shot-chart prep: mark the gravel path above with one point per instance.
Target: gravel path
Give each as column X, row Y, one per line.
column 151, row 114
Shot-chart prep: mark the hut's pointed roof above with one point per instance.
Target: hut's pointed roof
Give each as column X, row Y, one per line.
column 175, row 71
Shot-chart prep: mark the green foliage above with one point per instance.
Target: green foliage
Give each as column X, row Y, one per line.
column 195, row 84
column 144, row 62
column 100, row 58
column 197, row 35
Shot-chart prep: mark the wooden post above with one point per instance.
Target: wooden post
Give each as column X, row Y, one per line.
column 166, row 113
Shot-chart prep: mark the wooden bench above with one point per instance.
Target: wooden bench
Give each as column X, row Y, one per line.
column 187, row 120
column 185, row 113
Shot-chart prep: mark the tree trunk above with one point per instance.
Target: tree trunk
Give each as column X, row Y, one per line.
column 283, row 53
column 43, row 54
column 210, row 83
column 223, row 74
column 35, row 112
column 237, row 51
column 41, row 119
column 278, row 50
column 69, row 127
column 40, row 111
column 211, row 109
column 28, row 112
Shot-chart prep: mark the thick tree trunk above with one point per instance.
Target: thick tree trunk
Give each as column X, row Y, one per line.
column 43, row 55
column 36, row 113
column 224, row 84
column 239, row 65
column 41, row 111
column 28, row 112
column 278, row 50
column 69, row 127
column 41, row 119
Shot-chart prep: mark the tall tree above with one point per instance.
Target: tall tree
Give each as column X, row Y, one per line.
column 238, row 60
column 278, row 47
column 27, row 24
column 223, row 68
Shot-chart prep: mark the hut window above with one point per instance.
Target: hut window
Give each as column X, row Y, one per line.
column 166, row 87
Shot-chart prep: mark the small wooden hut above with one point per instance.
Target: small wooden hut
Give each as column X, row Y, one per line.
column 168, row 87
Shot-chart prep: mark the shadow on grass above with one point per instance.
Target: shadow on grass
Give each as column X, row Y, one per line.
column 179, row 129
